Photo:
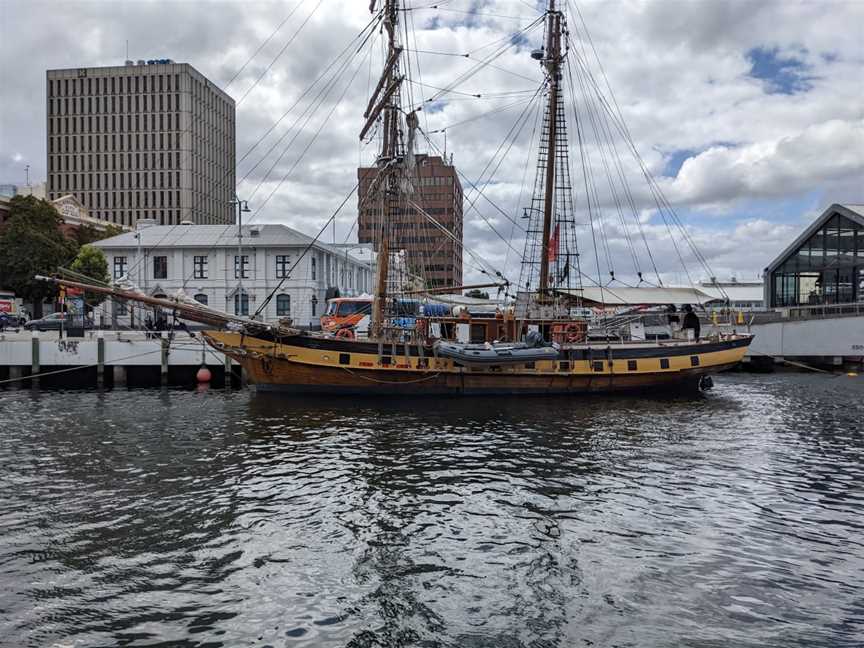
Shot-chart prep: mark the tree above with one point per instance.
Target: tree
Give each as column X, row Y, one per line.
column 32, row 243
column 91, row 262
column 476, row 292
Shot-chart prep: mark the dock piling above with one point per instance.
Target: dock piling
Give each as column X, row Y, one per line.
column 34, row 358
column 100, row 359
column 164, row 369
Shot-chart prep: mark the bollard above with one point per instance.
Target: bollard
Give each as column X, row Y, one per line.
column 100, row 359
column 34, row 358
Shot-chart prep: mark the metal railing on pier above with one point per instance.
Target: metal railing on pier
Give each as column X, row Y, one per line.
column 822, row 311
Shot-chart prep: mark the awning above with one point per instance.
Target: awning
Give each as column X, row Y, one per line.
column 623, row 296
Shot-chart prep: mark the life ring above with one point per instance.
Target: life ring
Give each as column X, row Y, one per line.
column 574, row 332
column 345, row 334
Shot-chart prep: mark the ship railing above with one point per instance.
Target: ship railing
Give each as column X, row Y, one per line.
column 615, row 323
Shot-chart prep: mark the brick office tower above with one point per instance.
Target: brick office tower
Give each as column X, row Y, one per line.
column 152, row 140
column 441, row 197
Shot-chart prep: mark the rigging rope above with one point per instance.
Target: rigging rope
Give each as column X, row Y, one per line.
column 370, row 26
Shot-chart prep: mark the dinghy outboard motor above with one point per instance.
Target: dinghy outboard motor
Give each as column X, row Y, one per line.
column 534, row 339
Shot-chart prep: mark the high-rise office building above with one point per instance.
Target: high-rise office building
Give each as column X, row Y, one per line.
column 148, row 140
column 440, row 196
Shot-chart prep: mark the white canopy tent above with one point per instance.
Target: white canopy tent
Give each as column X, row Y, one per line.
column 649, row 296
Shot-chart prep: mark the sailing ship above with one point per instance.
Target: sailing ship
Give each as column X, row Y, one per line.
column 541, row 342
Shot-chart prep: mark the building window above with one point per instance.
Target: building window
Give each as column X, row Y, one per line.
column 283, row 261
column 314, row 272
column 160, row 267
column 283, row 305
column 245, row 268
column 241, row 304
column 314, row 303
column 201, row 298
column 119, row 266
column 199, row 265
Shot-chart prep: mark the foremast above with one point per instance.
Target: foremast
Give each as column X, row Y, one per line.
column 384, row 105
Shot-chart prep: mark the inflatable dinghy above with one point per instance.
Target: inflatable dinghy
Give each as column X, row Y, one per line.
column 484, row 355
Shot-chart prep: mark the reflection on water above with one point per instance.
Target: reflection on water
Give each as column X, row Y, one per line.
column 149, row 518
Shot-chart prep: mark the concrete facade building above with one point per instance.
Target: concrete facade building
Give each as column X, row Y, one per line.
column 205, row 262
column 431, row 254
column 154, row 140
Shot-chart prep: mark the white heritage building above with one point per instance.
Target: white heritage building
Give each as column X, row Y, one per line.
column 210, row 264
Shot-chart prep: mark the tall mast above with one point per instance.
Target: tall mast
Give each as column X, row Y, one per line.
column 553, row 63
column 384, row 103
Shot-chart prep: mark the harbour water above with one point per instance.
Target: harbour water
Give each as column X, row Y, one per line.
column 178, row 518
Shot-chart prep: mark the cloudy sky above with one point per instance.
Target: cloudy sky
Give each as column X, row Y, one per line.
column 748, row 114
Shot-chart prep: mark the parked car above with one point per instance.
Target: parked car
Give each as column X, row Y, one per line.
column 54, row 321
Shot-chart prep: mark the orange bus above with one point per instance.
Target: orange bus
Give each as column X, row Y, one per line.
column 344, row 312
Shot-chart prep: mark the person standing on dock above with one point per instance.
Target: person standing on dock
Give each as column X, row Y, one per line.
column 691, row 321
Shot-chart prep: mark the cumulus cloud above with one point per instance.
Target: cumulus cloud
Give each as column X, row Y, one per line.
column 822, row 154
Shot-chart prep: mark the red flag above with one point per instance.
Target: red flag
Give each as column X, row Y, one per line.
column 552, row 251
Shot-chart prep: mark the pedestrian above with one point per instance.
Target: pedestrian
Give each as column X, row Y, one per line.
column 691, row 321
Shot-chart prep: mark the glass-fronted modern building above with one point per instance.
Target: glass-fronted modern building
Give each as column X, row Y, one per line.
column 825, row 265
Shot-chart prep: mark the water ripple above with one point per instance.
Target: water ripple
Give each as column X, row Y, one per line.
column 145, row 518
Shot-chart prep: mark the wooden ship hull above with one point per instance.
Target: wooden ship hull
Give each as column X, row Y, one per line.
column 308, row 364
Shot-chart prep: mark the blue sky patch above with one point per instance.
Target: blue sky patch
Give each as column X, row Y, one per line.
column 781, row 74
column 675, row 160
column 433, row 107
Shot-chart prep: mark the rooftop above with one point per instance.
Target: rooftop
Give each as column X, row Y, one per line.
column 223, row 236
column 852, row 211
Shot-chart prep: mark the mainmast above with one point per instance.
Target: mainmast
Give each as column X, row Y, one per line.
column 384, row 103
column 553, row 64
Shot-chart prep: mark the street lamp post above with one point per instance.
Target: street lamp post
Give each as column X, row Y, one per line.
column 242, row 206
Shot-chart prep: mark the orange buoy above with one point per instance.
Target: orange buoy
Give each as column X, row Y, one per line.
column 203, row 375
